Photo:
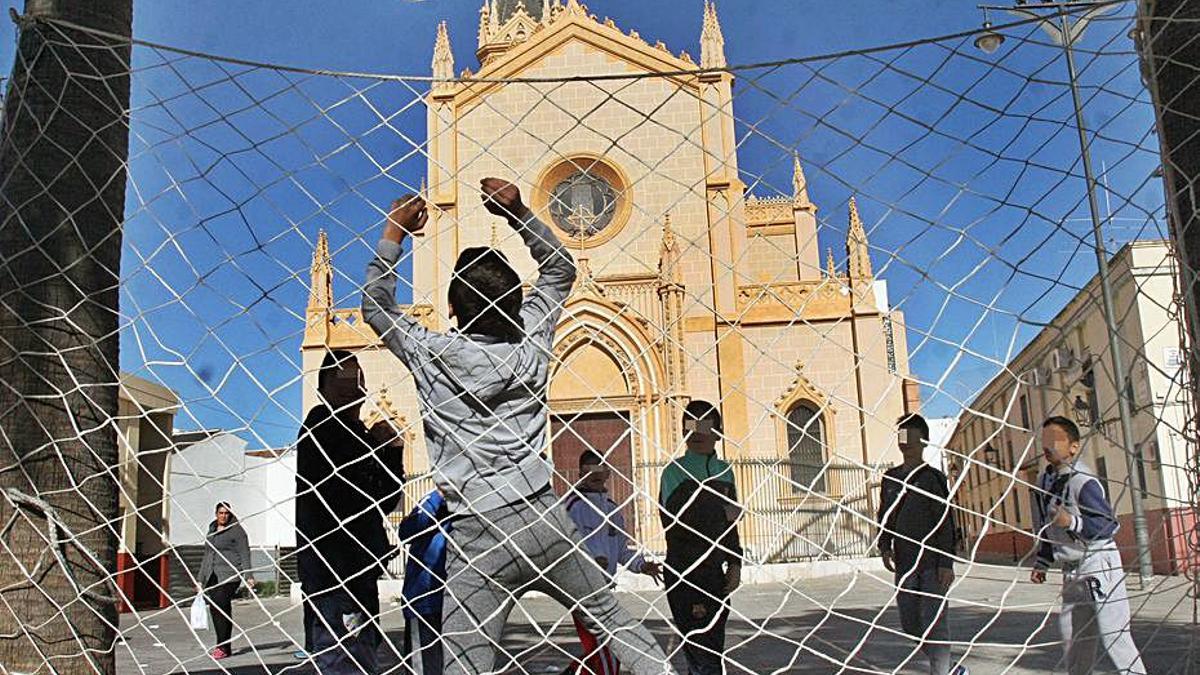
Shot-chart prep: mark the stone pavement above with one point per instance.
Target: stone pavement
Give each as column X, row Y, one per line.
column 1003, row 624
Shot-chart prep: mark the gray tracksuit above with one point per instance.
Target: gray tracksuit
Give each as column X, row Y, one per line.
column 1095, row 604
column 483, row 400
column 483, row 407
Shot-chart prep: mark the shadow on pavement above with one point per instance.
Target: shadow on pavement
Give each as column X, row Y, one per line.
column 820, row 641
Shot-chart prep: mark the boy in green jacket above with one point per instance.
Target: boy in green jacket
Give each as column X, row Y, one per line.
column 699, row 510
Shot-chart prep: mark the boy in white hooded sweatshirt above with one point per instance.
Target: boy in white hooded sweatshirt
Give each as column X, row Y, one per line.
column 1075, row 527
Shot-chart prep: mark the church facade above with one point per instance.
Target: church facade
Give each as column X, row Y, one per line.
column 688, row 288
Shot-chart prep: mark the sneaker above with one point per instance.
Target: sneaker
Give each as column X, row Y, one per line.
column 960, row 670
column 218, row 654
column 300, row 655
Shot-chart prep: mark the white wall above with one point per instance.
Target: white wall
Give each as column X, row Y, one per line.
column 941, row 429
column 261, row 491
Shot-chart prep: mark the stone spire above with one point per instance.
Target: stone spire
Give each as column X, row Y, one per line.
column 547, row 13
column 669, row 256
column 800, row 198
column 320, row 294
column 443, row 60
column 830, row 265
column 485, row 23
column 858, row 255
column 712, row 41
column 493, row 18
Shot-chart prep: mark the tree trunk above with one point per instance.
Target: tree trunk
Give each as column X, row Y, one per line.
column 62, row 195
column 1169, row 38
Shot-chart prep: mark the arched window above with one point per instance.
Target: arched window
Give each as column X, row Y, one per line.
column 806, row 446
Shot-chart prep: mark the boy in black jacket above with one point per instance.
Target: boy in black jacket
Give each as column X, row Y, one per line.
column 916, row 540
column 347, row 479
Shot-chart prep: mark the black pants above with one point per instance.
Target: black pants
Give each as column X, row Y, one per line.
column 220, row 606
column 700, row 609
column 310, row 616
column 423, row 644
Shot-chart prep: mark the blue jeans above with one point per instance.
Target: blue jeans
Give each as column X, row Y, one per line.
column 345, row 635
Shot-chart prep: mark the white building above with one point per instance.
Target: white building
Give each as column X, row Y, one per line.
column 214, row 466
column 941, row 430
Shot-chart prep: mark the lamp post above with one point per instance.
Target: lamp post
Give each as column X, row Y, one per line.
column 1065, row 32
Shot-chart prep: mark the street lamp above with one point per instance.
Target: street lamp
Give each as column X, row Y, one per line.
column 1058, row 25
column 988, row 40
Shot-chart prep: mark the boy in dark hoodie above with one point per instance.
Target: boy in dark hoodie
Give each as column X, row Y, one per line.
column 916, row 540
column 348, row 478
column 482, row 390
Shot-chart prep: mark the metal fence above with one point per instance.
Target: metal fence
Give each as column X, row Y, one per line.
column 782, row 521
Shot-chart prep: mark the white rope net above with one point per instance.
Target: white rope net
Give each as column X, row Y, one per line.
column 817, row 247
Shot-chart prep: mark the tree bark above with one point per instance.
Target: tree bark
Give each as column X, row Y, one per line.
column 63, row 150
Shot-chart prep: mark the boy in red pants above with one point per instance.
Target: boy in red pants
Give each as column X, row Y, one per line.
column 602, row 529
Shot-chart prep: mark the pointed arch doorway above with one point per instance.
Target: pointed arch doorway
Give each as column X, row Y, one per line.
column 593, row 408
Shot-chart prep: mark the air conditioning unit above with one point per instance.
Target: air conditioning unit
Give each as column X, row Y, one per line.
column 1061, row 359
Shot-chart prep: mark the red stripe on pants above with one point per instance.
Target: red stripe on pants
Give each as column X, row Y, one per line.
column 596, row 658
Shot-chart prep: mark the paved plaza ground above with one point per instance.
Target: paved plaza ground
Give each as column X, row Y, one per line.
column 827, row 625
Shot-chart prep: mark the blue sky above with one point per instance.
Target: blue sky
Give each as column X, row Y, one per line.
column 965, row 174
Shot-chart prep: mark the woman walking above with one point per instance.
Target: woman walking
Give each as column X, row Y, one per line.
column 225, row 565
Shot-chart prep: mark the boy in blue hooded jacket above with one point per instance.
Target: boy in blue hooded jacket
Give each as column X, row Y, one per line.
column 424, row 532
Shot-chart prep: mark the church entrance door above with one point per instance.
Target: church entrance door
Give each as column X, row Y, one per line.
column 608, row 434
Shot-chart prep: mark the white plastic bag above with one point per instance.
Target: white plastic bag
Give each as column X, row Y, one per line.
column 199, row 613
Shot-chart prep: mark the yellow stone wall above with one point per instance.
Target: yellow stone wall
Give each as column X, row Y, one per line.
column 519, row 130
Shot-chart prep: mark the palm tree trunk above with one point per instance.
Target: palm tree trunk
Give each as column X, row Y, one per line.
column 63, row 149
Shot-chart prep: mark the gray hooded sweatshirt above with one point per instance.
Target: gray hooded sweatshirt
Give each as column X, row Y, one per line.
column 483, row 400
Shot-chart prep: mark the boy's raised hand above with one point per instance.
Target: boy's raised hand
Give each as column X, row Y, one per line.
column 384, row 435
column 407, row 216
column 502, row 198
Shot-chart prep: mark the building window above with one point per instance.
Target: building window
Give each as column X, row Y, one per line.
column 1016, row 501
column 1102, row 474
column 806, row 446
column 1141, row 470
column 1024, row 405
column 1031, row 477
column 583, row 204
column 586, row 198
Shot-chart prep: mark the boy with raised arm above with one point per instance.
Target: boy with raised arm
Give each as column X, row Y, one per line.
column 482, row 390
